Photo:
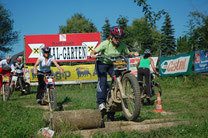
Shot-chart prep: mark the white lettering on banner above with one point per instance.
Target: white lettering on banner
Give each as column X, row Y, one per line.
column 65, row 52
column 69, row 52
column 178, row 65
column 62, row 37
column 36, row 50
column 205, row 61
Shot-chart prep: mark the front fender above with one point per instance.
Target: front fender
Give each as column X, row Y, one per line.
column 124, row 72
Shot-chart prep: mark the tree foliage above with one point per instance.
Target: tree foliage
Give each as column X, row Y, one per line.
column 142, row 36
column 198, row 31
column 168, row 46
column 106, row 29
column 7, row 35
column 78, row 24
column 150, row 15
column 122, row 22
column 183, row 44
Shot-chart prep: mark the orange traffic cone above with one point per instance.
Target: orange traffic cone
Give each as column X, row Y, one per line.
column 159, row 105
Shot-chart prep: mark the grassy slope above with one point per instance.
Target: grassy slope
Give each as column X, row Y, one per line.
column 186, row 96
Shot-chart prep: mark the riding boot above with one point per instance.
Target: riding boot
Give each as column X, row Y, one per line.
column 102, row 109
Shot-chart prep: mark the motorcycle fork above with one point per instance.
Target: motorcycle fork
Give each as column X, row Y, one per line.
column 118, row 80
column 48, row 92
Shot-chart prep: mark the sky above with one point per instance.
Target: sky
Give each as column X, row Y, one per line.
column 36, row 17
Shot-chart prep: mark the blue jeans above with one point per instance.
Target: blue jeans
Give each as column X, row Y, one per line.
column 102, row 70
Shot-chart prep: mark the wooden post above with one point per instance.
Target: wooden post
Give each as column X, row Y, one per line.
column 73, row 119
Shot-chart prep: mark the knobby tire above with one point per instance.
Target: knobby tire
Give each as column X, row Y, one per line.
column 134, row 98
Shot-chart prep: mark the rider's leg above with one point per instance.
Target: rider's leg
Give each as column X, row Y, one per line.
column 40, row 89
column 140, row 76
column 22, row 82
column 102, row 80
column 110, row 71
column 148, row 81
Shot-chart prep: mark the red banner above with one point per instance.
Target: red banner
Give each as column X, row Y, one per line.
column 64, row 47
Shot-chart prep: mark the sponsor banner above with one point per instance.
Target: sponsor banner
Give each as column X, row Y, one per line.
column 71, row 73
column 64, row 47
column 201, row 61
column 176, row 65
column 133, row 62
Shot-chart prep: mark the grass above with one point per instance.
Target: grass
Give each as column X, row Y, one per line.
column 186, row 96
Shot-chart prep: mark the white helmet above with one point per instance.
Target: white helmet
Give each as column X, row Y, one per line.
column 147, row 51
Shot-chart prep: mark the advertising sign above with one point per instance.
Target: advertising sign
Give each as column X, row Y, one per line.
column 71, row 73
column 176, row 65
column 201, row 61
column 133, row 62
column 64, row 47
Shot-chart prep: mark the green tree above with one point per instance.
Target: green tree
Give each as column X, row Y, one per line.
column 78, row 24
column 8, row 36
column 198, row 33
column 183, row 45
column 122, row 22
column 106, row 29
column 150, row 15
column 168, row 46
column 142, row 36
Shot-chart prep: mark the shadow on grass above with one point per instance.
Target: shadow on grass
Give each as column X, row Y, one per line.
column 60, row 104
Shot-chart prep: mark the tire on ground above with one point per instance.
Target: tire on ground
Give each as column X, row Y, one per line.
column 137, row 98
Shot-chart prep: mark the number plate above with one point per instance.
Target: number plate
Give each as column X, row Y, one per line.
column 120, row 64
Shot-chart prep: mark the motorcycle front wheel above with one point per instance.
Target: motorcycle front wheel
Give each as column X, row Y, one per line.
column 131, row 102
column 7, row 92
column 52, row 100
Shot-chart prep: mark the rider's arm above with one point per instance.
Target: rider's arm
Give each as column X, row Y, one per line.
column 152, row 65
column 92, row 54
column 57, row 65
column 35, row 66
column 99, row 48
column 13, row 68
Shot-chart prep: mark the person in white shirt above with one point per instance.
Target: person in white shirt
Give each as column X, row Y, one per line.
column 19, row 70
column 5, row 68
column 44, row 63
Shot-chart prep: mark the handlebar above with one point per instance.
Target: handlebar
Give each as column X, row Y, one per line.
column 45, row 74
column 111, row 58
